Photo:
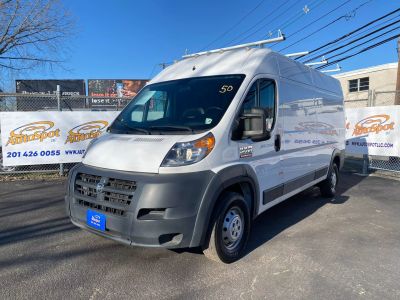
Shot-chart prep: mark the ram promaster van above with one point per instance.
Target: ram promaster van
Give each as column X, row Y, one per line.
column 208, row 145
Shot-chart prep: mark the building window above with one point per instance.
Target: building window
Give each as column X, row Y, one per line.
column 357, row 85
column 364, row 84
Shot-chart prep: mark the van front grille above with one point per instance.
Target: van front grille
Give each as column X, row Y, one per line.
column 114, row 211
column 110, row 195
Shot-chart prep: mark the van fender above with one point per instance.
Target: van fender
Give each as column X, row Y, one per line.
column 338, row 153
column 221, row 181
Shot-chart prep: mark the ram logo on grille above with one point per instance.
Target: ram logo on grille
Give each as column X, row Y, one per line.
column 100, row 186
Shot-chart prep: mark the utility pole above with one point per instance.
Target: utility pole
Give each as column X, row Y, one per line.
column 397, row 95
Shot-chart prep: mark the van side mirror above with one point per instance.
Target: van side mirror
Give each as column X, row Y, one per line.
column 254, row 125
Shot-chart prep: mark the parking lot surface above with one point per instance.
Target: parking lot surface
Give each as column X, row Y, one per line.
column 305, row 248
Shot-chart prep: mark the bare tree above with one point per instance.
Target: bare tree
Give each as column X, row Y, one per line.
column 33, row 33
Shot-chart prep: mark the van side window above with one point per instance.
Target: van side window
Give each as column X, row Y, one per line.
column 262, row 94
column 267, row 100
column 251, row 98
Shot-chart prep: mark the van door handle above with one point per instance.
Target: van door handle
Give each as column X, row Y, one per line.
column 277, row 142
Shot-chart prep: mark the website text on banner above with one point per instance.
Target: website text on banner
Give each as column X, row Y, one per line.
column 373, row 130
column 35, row 138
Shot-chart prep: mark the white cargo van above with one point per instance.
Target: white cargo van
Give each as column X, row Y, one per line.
column 208, row 145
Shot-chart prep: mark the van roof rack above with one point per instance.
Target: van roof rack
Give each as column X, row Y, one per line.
column 280, row 38
column 317, row 63
column 338, row 69
column 297, row 54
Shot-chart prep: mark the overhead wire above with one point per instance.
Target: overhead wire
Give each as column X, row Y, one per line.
column 299, row 16
column 235, row 39
column 358, row 34
column 361, row 51
column 363, row 43
column 346, row 16
column 352, row 32
column 234, row 26
column 352, row 41
column 288, row 22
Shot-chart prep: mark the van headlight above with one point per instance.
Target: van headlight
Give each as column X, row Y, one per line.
column 188, row 153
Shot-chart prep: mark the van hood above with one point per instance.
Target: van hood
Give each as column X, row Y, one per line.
column 132, row 153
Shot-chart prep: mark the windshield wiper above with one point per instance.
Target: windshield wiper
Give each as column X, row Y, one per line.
column 172, row 127
column 132, row 128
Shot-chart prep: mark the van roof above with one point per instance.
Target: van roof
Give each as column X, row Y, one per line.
column 250, row 62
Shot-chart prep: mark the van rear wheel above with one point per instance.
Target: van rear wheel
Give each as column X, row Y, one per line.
column 230, row 229
column 329, row 185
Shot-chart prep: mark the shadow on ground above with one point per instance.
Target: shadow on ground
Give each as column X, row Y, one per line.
column 291, row 211
column 265, row 227
column 295, row 209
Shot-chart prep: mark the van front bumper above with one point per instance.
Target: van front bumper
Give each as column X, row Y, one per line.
column 153, row 210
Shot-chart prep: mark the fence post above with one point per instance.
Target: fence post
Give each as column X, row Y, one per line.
column 59, row 106
column 365, row 164
column 371, row 98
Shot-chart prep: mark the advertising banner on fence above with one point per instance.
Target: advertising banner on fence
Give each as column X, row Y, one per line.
column 34, row 138
column 113, row 88
column 69, row 87
column 373, row 130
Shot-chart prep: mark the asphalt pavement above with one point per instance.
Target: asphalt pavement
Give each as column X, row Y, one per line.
column 304, row 248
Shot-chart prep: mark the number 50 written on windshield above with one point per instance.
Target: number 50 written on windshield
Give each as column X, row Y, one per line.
column 225, row 88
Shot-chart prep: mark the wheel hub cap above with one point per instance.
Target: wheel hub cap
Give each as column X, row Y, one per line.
column 232, row 229
column 333, row 180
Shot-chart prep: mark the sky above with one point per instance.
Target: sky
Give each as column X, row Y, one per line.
column 121, row 39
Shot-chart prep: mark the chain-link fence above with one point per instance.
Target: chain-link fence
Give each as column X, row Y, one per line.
column 369, row 99
column 384, row 98
column 356, row 100
column 56, row 102
column 53, row 102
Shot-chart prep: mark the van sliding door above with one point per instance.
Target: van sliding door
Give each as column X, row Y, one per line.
column 299, row 117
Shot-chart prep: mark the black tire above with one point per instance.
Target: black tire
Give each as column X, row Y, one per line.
column 230, row 229
column 328, row 186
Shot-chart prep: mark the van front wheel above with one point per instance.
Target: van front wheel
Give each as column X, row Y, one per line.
column 230, row 229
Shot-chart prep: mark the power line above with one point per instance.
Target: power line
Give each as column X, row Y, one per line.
column 363, row 43
column 360, row 33
column 234, row 26
column 346, row 16
column 353, row 41
column 260, row 22
column 288, row 22
column 361, row 51
column 323, row 16
column 352, row 32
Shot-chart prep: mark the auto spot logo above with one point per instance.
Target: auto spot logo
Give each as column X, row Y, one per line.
column 320, row 127
column 373, row 124
column 86, row 131
column 36, row 131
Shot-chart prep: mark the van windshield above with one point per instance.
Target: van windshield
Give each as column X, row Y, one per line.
column 181, row 106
